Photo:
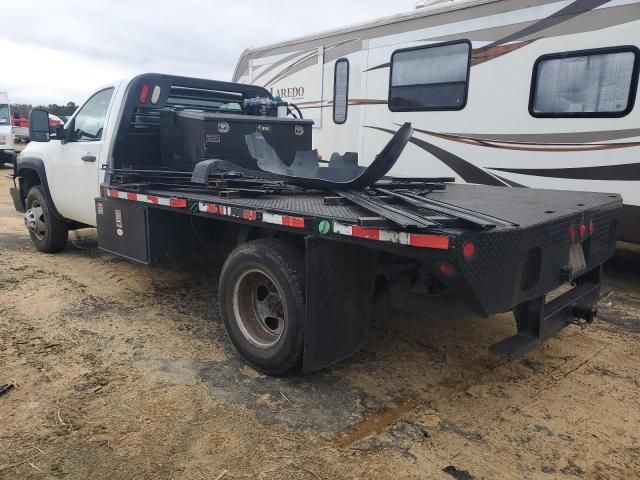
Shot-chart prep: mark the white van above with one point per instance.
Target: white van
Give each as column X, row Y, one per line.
column 7, row 154
column 533, row 93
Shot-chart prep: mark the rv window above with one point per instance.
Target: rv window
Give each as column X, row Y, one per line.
column 595, row 83
column 341, row 91
column 434, row 77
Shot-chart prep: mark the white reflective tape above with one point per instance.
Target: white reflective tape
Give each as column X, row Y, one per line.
column 387, row 236
column 401, row 238
column 272, row 218
column 341, row 228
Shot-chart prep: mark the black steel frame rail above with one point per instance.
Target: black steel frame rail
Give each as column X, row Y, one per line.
column 394, row 214
column 476, row 218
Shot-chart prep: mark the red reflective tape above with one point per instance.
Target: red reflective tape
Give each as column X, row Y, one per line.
column 152, row 199
column 370, row 233
column 178, row 202
column 132, row 196
column 429, row 241
column 212, row 209
column 113, row 193
column 293, row 222
column 249, row 215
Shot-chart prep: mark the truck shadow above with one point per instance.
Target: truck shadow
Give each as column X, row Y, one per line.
column 408, row 359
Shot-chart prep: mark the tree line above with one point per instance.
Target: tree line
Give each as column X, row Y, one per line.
column 23, row 109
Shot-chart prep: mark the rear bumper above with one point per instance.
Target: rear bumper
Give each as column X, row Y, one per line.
column 514, row 266
column 538, row 321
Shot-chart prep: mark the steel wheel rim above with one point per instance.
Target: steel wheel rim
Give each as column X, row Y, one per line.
column 35, row 221
column 258, row 308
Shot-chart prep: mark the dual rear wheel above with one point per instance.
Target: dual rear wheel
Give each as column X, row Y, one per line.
column 262, row 301
column 262, row 291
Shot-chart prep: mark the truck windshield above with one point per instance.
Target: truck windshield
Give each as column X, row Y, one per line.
column 4, row 114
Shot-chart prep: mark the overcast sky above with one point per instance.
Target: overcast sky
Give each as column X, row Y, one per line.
column 61, row 51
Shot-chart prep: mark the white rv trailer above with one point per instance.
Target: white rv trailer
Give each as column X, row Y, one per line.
column 533, row 93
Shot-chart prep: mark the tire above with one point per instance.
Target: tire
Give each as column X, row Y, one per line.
column 48, row 232
column 262, row 302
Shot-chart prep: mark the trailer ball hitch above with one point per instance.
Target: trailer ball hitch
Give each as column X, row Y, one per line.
column 589, row 314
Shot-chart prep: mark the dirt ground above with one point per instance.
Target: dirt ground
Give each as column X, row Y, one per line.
column 124, row 372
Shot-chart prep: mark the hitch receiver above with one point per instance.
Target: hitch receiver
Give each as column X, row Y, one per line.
column 538, row 321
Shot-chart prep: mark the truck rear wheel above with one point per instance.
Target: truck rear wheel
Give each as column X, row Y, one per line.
column 48, row 233
column 262, row 301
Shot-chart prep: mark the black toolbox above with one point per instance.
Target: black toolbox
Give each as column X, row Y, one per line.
column 188, row 137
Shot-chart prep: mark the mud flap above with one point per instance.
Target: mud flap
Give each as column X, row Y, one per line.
column 340, row 281
column 17, row 201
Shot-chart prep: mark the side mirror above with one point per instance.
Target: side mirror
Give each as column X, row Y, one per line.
column 67, row 131
column 58, row 132
column 39, row 125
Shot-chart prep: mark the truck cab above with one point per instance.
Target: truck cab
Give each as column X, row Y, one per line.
column 68, row 166
column 7, row 154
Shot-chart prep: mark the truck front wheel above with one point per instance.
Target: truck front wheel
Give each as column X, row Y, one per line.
column 48, row 233
column 262, row 301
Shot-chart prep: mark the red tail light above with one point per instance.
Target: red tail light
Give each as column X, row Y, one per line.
column 144, row 93
column 583, row 230
column 447, row 269
column 592, row 227
column 469, row 250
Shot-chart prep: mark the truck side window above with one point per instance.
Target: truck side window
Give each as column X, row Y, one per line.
column 89, row 122
column 587, row 83
column 433, row 77
column 341, row 91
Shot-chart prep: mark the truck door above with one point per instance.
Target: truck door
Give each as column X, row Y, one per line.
column 76, row 166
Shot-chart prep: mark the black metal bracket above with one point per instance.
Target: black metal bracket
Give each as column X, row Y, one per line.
column 538, row 321
column 343, row 171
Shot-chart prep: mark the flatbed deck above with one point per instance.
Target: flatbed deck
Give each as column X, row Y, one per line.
column 521, row 206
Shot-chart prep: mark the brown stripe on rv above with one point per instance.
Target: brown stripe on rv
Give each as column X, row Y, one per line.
column 552, row 138
column 304, row 62
column 282, row 61
column 466, row 170
column 335, row 50
column 480, row 55
column 573, row 9
column 629, row 172
column 563, row 22
column 539, row 147
column 586, row 22
column 401, row 23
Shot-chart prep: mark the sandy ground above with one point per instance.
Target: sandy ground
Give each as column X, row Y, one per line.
column 124, row 372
